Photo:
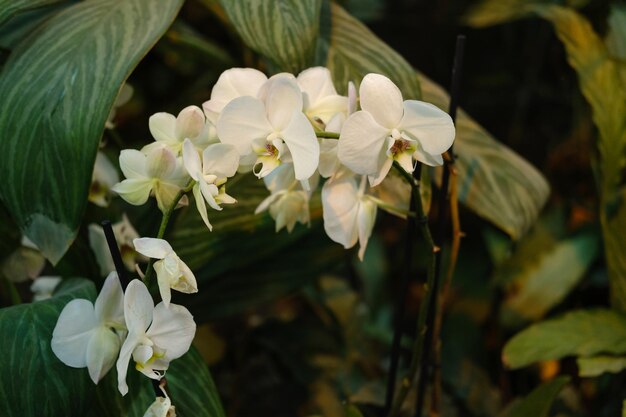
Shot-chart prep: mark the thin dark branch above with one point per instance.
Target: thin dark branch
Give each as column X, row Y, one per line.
column 115, row 253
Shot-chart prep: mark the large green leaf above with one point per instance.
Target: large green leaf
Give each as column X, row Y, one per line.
column 33, row 382
column 189, row 385
column 284, row 31
column 56, row 91
column 494, row 181
column 355, row 51
column 9, row 8
column 539, row 402
column 589, row 367
column 578, row 333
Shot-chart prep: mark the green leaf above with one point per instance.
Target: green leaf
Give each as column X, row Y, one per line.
column 539, row 401
column 535, row 284
column 616, row 36
column 64, row 80
column 9, row 8
column 189, row 385
column 578, row 333
column 493, row 181
column 355, row 51
column 284, row 31
column 494, row 12
column 33, row 381
column 590, row 367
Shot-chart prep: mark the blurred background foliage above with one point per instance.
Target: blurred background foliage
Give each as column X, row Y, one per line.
column 294, row 325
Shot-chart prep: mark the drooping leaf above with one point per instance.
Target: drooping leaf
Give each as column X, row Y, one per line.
column 189, row 385
column 9, row 8
column 355, row 51
column 56, row 90
column 590, row 367
column 578, row 333
column 493, row 181
column 33, row 381
column 536, row 284
column 284, row 31
column 539, row 401
column 616, row 36
column 494, row 12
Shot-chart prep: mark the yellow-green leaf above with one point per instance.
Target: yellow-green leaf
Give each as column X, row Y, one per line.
column 590, row 367
column 56, row 91
column 539, row 402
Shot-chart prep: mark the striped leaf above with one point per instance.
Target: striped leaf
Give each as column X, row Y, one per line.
column 33, row 382
column 494, row 181
column 355, row 51
column 56, row 91
column 9, row 8
column 189, row 385
column 284, row 31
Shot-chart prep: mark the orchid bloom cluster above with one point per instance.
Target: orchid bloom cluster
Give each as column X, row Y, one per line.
column 290, row 131
column 124, row 325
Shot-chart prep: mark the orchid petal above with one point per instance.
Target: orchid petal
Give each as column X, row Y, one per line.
column 133, row 163
column 73, row 331
column 134, row 191
column 172, row 329
column 138, row 306
column 221, row 160
column 242, row 121
column 303, row 145
column 197, row 194
column 316, row 83
column 162, row 126
column 109, row 305
column 102, row 351
column 191, row 160
column 189, row 123
column 122, row 361
column 385, row 166
column 209, row 191
column 152, row 248
column 329, row 163
column 160, row 163
column 382, row 99
column 165, row 194
column 366, row 218
column 340, row 208
column 425, row 158
column 361, row 143
column 187, row 283
column 164, row 280
column 283, row 98
column 430, row 126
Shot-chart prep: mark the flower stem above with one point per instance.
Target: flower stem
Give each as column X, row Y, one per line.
column 167, row 214
column 327, row 135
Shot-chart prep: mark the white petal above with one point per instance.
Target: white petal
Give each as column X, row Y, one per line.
column 430, row 126
column 104, row 172
column 376, row 179
column 197, row 194
column 138, row 306
column 267, row 202
column 242, row 121
column 382, row 99
column 361, row 143
column 102, row 351
column 73, row 331
column 233, row 83
column 316, row 83
column 100, row 248
column 122, row 362
column 133, row 163
column 303, row 145
column 152, row 248
column 209, row 191
column 328, row 107
column 172, row 329
column 425, row 158
column 160, row 163
column 191, row 160
column 187, row 283
column 221, row 160
column 43, row 287
column 366, row 220
column 283, row 98
column 161, row 407
column 110, row 302
column 134, row 191
column 329, row 163
column 165, row 276
column 162, row 126
column 340, row 206
column 189, row 123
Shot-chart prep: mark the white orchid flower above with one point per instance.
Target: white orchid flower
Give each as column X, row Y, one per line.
column 232, row 83
column 219, row 162
column 388, row 129
column 124, row 233
column 349, row 213
column 103, row 178
column 320, row 99
column 88, row 335
column 156, row 335
column 272, row 129
column 171, row 131
column 161, row 407
column 159, row 173
column 172, row 273
column 43, row 287
column 288, row 202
